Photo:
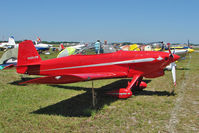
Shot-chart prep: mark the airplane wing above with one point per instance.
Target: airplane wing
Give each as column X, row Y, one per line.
column 64, row 79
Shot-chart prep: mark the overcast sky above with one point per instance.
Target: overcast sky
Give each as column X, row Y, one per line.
column 90, row 20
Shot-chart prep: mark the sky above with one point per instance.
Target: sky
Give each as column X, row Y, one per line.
column 91, row 20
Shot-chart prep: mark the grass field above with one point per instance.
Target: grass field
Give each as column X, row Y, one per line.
column 68, row 108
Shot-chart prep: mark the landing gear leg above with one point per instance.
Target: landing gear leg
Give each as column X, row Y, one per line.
column 140, row 85
column 137, row 84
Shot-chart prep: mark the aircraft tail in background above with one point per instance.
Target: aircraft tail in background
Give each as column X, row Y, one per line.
column 38, row 40
column 11, row 41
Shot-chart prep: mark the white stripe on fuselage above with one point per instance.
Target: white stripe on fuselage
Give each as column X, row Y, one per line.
column 106, row 64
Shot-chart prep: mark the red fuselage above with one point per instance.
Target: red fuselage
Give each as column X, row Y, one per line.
column 148, row 64
column 77, row 68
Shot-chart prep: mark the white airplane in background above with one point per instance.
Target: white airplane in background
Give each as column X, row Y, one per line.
column 41, row 46
column 10, row 44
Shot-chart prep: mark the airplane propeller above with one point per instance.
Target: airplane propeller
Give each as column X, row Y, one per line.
column 173, row 65
column 173, row 71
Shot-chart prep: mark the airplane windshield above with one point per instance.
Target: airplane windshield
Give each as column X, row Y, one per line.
column 90, row 50
column 156, row 45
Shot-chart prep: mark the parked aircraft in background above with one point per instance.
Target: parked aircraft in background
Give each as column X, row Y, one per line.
column 10, row 44
column 41, row 46
column 77, row 68
column 9, row 58
column 189, row 49
column 161, row 46
column 79, row 46
column 70, row 50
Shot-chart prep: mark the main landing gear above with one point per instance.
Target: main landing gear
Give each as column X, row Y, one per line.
column 135, row 84
column 123, row 93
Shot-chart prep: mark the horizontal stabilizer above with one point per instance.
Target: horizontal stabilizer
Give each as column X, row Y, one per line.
column 9, row 66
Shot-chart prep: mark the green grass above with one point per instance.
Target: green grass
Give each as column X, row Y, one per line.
column 68, row 108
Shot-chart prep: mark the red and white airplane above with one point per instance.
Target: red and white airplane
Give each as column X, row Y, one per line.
column 76, row 68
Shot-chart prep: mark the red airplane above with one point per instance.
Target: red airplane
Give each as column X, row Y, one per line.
column 76, row 68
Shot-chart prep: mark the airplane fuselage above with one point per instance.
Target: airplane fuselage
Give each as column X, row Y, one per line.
column 127, row 62
column 78, row 68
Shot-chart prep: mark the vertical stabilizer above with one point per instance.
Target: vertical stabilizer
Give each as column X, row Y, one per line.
column 11, row 41
column 27, row 55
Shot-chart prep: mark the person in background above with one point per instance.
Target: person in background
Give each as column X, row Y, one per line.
column 97, row 47
column 103, row 46
column 105, row 42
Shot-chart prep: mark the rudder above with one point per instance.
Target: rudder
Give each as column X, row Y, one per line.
column 27, row 55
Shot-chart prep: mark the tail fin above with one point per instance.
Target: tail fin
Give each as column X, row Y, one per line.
column 11, row 41
column 27, row 55
column 38, row 40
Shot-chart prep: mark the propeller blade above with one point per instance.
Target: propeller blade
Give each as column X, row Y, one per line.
column 173, row 70
column 173, row 65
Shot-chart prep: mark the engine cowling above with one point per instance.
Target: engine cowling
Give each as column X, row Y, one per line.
column 155, row 74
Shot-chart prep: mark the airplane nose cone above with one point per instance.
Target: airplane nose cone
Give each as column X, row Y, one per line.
column 176, row 57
